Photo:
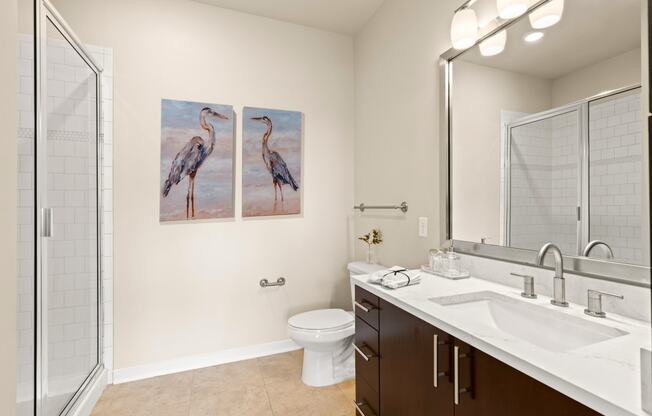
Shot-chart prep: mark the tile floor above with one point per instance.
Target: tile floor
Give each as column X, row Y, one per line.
column 268, row 386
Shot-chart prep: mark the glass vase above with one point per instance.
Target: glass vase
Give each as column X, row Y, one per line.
column 371, row 254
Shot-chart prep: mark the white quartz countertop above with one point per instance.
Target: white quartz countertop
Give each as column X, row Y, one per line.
column 605, row 376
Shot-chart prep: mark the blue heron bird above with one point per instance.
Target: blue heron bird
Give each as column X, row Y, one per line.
column 274, row 162
column 188, row 161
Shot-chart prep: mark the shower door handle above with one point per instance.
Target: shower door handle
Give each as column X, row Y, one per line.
column 46, row 222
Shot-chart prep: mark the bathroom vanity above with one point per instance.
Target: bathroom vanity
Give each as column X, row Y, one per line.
column 419, row 353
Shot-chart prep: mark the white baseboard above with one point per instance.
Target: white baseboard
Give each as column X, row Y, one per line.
column 177, row 365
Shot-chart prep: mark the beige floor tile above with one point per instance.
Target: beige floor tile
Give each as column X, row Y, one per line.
column 171, row 409
column 230, row 401
column 171, row 394
column 261, row 387
column 348, row 388
column 292, row 398
column 131, row 406
column 280, row 368
column 133, row 389
column 102, row 408
column 242, row 373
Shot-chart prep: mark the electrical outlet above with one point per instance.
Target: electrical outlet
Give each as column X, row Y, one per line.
column 423, row 226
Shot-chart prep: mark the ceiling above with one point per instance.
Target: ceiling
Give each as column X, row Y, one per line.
column 341, row 16
column 590, row 31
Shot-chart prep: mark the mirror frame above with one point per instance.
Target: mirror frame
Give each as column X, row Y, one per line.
column 630, row 274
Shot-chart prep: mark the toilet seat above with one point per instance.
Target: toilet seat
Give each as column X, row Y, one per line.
column 322, row 320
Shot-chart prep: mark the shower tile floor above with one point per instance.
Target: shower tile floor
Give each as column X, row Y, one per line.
column 267, row 386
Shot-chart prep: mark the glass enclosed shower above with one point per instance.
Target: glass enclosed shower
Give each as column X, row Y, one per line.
column 574, row 174
column 59, row 299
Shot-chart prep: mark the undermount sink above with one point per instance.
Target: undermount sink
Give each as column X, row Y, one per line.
column 548, row 329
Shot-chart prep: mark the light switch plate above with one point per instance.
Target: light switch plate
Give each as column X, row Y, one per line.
column 423, row 226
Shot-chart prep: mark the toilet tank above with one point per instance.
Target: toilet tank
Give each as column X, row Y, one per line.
column 358, row 268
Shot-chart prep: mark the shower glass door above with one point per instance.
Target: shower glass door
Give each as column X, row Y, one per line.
column 68, row 329
column 543, row 170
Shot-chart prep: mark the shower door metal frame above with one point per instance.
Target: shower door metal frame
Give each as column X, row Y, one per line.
column 44, row 13
column 582, row 145
column 583, row 162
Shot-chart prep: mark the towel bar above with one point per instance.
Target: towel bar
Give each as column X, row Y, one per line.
column 403, row 207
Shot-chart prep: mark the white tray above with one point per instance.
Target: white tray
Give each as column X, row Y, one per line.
column 463, row 274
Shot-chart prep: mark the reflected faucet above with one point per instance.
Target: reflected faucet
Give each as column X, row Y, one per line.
column 559, row 283
column 592, row 244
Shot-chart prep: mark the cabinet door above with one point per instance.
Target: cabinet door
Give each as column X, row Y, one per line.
column 408, row 384
column 489, row 387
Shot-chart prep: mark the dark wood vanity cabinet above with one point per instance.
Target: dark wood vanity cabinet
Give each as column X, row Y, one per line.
column 489, row 387
column 408, row 384
column 406, row 367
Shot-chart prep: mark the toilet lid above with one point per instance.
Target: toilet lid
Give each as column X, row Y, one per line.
column 322, row 319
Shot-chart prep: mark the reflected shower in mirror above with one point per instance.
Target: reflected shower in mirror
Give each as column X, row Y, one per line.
column 547, row 140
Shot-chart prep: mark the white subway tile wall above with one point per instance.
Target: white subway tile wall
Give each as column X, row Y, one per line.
column 70, row 183
column 616, row 175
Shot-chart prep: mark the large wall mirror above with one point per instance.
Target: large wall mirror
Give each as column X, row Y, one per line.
column 547, row 132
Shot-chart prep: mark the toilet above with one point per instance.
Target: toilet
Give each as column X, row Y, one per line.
column 326, row 336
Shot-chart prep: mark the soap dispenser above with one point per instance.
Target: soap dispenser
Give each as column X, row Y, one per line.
column 453, row 262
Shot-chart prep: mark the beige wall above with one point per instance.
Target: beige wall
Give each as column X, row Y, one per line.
column 184, row 289
column 480, row 94
column 616, row 72
column 396, row 157
column 8, row 79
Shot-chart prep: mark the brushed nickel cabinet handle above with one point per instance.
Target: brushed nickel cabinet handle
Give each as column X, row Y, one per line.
column 456, row 378
column 435, row 371
column 359, row 405
column 366, row 357
column 361, row 306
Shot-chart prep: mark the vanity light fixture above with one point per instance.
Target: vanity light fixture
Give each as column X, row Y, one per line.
column 494, row 45
column 533, row 36
column 509, row 9
column 547, row 15
column 464, row 28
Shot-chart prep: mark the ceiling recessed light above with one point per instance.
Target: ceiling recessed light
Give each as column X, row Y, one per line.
column 533, row 36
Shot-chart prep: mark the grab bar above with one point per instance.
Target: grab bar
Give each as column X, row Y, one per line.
column 403, row 207
column 279, row 282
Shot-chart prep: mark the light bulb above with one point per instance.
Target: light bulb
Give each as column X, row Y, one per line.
column 464, row 29
column 494, row 45
column 547, row 15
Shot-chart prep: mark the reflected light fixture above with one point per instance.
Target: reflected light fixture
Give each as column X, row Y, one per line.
column 547, row 15
column 494, row 45
column 509, row 9
column 464, row 29
column 533, row 36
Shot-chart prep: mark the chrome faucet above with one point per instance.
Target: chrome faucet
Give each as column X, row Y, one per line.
column 592, row 244
column 559, row 283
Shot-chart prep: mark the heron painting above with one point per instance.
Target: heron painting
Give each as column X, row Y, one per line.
column 271, row 162
column 197, row 143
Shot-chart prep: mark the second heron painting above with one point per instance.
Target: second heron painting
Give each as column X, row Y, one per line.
column 271, row 162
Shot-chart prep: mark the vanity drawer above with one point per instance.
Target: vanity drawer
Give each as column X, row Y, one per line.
column 366, row 307
column 367, row 358
column 367, row 400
